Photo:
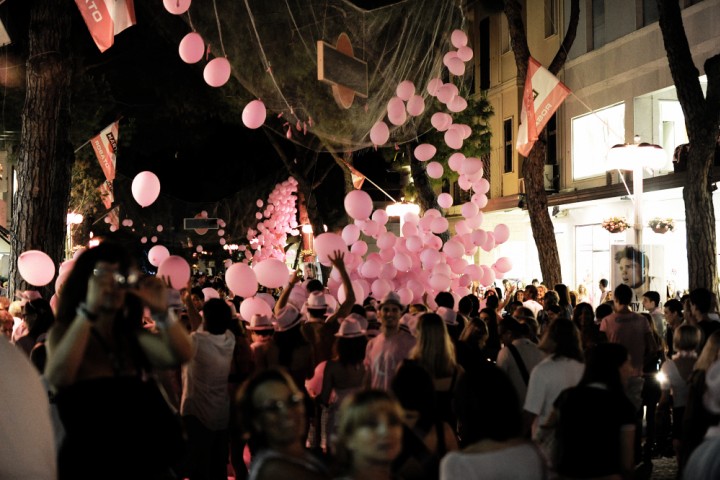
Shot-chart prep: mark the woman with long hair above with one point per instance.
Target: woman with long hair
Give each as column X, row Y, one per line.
column 471, row 347
column 38, row 316
column 564, row 299
column 435, row 352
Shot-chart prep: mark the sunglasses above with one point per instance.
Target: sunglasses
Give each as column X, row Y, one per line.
column 277, row 406
column 120, row 279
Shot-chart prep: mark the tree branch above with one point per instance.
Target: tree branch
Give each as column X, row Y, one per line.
column 562, row 53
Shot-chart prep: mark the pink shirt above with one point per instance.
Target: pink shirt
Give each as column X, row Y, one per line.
column 629, row 330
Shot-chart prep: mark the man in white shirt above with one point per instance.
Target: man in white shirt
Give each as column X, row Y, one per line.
column 531, row 300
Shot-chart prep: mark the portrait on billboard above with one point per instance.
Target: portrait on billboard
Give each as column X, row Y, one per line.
column 641, row 267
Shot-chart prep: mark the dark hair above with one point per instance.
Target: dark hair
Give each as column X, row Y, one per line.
column 603, row 310
column 604, row 282
column 702, row 299
column 563, row 294
column 216, row 316
column 510, row 324
column 632, row 253
column 359, row 309
column 653, row 296
column 351, row 351
column 492, row 301
column 531, row 292
column 602, row 364
column 674, row 305
column 466, row 306
column 487, row 406
column 551, row 297
column 623, row 294
column 583, row 315
column 524, row 312
column 314, row 285
column 556, row 309
column 198, row 291
column 413, row 386
column 445, row 299
column 44, row 317
column 562, row 339
column 287, row 341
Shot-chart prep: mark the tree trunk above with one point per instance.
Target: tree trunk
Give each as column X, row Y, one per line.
column 702, row 119
column 540, row 221
column 45, row 155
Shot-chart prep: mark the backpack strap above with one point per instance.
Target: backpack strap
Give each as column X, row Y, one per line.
column 521, row 365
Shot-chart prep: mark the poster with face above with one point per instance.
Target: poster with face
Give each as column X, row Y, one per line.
column 641, row 267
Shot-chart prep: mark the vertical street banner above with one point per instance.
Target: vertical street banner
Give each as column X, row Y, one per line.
column 106, row 18
column 105, row 146
column 542, row 96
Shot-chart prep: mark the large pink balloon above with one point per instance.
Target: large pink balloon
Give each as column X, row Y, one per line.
column 456, row 66
column 358, row 204
column 402, row 262
column 157, row 255
column 453, row 139
column 396, row 111
column 415, row 105
column 502, row 233
column 434, row 170
column 441, row 121
column 177, row 269
column 503, row 265
column 465, row 53
column 271, row 273
column 326, row 244
column 254, row 305
column 176, row 7
column 458, row 38
column 192, row 48
column 425, row 151
column 254, row 114
column 379, row 133
column 445, row 200
column 36, row 267
column 217, row 72
column 351, row 233
column 434, row 86
column 145, row 188
column 241, row 280
column 405, row 90
column 457, row 104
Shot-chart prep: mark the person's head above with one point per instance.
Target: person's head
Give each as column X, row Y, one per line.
column 633, row 264
column 673, row 310
column 475, row 332
column 582, row 290
column 510, row 307
column 650, row 300
column 484, row 415
column 603, row 284
column 554, row 312
column 701, row 301
column 583, row 315
column 417, row 308
column 531, row 292
column 521, row 313
column 466, row 306
column 316, row 305
column 542, row 289
column 38, row 316
column 510, row 329
column 551, row 297
column 492, row 301
column 390, row 312
column 6, row 323
column 445, row 299
column 15, row 308
column 609, row 364
column 434, row 349
column 562, row 339
column 269, row 407
column 603, row 310
column 563, row 294
column 111, row 270
column 710, row 352
column 573, row 298
column 622, row 295
column 216, row 316
column 350, row 350
column 686, row 338
column 370, row 430
column 413, row 386
column 314, row 285
column 197, row 297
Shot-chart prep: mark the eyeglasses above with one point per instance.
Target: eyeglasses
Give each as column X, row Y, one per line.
column 277, row 406
column 122, row 280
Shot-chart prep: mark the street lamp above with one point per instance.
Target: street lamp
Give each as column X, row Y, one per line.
column 636, row 157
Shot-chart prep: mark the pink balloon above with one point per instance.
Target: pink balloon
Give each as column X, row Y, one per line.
column 359, row 248
column 424, row 152
column 192, row 48
column 405, row 89
column 209, row 292
column 456, row 66
column 145, row 188
column 386, row 240
column 217, row 72
column 358, row 204
column 370, row 269
column 434, row 86
column 351, row 233
column 447, row 92
column 503, row 265
column 36, row 267
column 415, row 105
column 406, row 295
column 502, row 233
column 241, row 280
column 471, row 166
column 66, row 266
column 388, row 271
column 379, row 133
column 441, row 121
column 358, row 289
column 453, row 139
column 326, row 244
column 434, row 170
column 439, row 225
column 380, row 216
column 439, row 282
column 176, row 7
column 445, row 200
column 402, row 262
column 254, row 305
column 271, row 273
column 479, row 199
column 381, row 287
column 157, row 254
column 177, row 269
column 455, row 161
column 457, row 104
column 396, row 111
column 454, row 249
column 488, row 276
column 469, row 210
column 458, row 38
column 253, row 116
column 465, row 53
column 267, row 298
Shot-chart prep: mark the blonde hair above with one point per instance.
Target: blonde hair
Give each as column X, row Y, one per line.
column 434, row 349
column 686, row 337
column 15, row 308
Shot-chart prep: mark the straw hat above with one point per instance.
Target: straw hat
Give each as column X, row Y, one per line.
column 260, row 322
column 359, row 319
column 316, row 300
column 350, row 328
column 391, row 298
column 286, row 318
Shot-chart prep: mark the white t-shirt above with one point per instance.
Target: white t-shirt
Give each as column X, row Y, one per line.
column 531, row 355
column 519, row 461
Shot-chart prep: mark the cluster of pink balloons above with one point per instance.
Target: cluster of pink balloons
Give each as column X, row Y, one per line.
column 276, row 220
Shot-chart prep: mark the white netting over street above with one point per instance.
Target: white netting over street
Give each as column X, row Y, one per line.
column 272, row 48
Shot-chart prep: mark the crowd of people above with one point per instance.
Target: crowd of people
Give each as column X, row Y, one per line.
column 126, row 377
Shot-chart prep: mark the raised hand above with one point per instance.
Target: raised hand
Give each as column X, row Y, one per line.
column 337, row 258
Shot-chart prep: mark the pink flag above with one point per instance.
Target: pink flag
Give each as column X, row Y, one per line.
column 106, row 18
column 106, row 193
column 542, row 96
column 105, row 146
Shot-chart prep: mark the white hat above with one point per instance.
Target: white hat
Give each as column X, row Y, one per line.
column 260, row 322
column 350, row 328
column 286, row 318
column 316, row 300
column 448, row 315
column 359, row 319
column 711, row 399
column 393, row 298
